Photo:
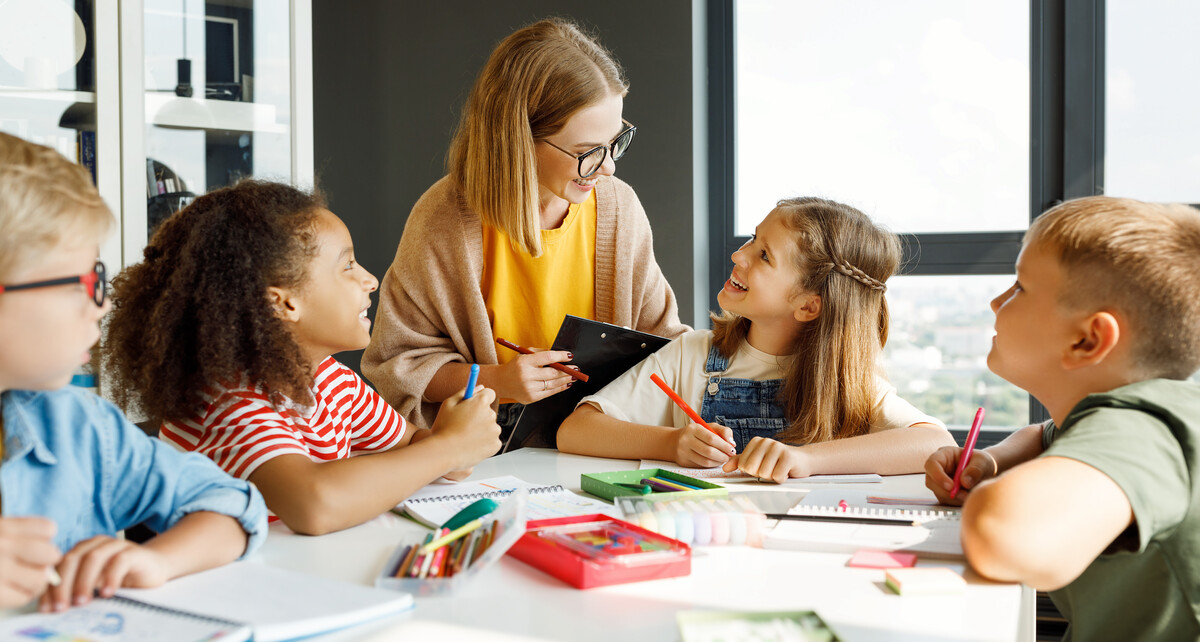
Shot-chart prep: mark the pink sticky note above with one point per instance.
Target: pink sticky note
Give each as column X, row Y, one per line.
column 881, row 559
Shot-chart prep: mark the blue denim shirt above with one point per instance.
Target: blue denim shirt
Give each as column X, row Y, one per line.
column 73, row 457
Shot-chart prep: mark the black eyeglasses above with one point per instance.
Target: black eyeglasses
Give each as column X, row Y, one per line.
column 592, row 159
column 94, row 281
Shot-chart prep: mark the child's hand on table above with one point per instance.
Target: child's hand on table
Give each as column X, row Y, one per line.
column 770, row 459
column 939, row 473
column 27, row 552
column 697, row 446
column 104, row 564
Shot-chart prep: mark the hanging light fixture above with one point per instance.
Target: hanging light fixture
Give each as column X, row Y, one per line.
column 184, row 111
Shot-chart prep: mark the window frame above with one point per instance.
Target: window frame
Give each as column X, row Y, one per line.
column 1066, row 146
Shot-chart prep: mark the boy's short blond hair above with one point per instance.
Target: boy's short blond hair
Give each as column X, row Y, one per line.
column 44, row 200
column 1141, row 260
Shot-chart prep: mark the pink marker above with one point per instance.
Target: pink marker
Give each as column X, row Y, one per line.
column 843, row 506
column 968, row 448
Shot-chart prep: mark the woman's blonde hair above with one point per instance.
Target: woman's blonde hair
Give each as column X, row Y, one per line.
column 45, row 199
column 535, row 80
column 842, row 256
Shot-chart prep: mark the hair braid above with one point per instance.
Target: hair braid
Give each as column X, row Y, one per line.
column 858, row 275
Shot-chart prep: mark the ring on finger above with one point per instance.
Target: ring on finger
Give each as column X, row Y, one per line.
column 545, row 385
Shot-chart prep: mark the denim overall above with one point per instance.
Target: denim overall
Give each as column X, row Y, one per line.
column 749, row 408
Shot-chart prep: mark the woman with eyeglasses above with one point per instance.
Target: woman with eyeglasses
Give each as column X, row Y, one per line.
column 529, row 225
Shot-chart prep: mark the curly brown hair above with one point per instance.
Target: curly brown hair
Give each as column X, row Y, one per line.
column 195, row 313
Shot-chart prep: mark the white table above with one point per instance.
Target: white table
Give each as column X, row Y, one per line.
column 515, row 601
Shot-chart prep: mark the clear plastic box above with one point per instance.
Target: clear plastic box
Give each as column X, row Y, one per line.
column 697, row 521
column 510, row 519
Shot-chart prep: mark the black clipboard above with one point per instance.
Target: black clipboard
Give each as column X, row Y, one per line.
column 603, row 352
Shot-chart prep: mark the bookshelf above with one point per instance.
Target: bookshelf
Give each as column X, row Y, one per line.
column 161, row 131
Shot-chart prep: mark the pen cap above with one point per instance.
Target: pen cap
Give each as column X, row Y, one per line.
column 472, row 512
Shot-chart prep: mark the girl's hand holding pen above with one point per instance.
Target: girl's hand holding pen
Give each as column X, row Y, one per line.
column 939, row 473
column 470, row 424
column 697, row 446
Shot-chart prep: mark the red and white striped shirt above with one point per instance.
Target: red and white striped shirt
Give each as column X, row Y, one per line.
column 240, row 430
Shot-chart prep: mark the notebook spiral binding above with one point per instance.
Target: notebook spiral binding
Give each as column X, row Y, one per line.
column 175, row 612
column 536, row 490
column 868, row 511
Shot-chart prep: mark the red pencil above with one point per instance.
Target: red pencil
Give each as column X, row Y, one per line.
column 683, row 404
column 557, row 366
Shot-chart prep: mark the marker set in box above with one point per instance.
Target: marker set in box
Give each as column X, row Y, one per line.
column 597, row 550
column 700, row 521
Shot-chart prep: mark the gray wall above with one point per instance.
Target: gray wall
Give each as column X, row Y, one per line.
column 390, row 78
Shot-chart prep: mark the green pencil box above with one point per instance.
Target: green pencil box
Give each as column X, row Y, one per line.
column 604, row 485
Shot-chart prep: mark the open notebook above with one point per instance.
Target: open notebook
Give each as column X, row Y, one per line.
column 937, row 535
column 436, row 503
column 235, row 602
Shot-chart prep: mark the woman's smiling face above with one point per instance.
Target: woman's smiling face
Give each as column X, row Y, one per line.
column 593, row 126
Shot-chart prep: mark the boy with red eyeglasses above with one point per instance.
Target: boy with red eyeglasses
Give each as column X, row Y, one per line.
column 73, row 470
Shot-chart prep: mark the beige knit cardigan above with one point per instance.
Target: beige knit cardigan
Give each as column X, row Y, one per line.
column 431, row 310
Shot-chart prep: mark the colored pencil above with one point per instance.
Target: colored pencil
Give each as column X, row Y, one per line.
column 579, row 376
column 661, row 487
column 847, row 519
column 451, row 536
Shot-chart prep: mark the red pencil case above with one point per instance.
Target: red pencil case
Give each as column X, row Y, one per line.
column 597, row 550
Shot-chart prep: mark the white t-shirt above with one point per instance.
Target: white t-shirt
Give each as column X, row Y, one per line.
column 633, row 396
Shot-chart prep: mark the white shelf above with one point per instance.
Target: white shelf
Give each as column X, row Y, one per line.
column 52, row 95
column 168, row 110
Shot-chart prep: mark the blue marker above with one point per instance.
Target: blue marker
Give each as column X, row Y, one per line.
column 471, row 381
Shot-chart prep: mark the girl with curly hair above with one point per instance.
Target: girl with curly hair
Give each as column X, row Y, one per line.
column 224, row 335
column 788, row 374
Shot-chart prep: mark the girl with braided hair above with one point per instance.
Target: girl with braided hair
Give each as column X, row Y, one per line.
column 789, row 373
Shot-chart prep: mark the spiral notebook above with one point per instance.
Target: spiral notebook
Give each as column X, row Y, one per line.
column 239, row 601
column 936, row 536
column 438, row 502
column 120, row 618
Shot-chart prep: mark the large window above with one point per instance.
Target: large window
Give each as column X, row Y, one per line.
column 953, row 123
column 915, row 112
column 1152, row 97
column 936, row 356
column 918, row 114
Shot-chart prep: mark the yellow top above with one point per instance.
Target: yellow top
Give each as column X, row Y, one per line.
column 527, row 298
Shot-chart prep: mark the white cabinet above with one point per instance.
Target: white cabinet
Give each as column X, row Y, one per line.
column 173, row 97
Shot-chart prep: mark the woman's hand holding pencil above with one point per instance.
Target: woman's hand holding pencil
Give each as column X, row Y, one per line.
column 535, row 374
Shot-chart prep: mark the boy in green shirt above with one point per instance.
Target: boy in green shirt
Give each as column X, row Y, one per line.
column 1100, row 506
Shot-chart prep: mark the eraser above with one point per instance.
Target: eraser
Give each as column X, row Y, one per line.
column 881, row 559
